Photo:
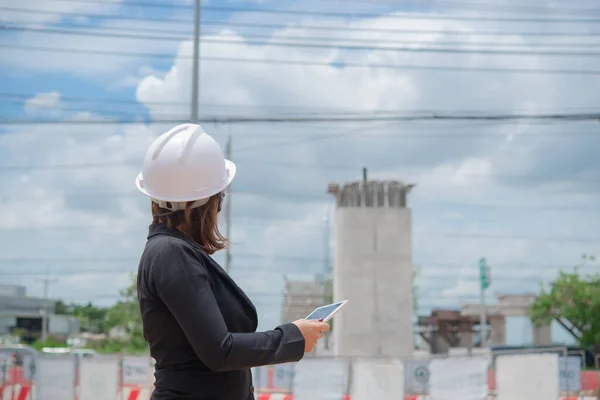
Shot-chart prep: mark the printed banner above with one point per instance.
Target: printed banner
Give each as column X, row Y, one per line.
column 527, row 376
column 136, row 370
column 55, row 377
column 463, row 378
column 283, row 375
column 377, row 380
column 273, row 377
column 320, row 379
column 98, row 378
column 570, row 374
column 416, row 376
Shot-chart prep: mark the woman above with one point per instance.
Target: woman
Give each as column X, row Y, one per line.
column 200, row 326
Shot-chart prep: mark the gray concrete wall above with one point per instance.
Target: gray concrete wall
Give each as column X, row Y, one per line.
column 373, row 270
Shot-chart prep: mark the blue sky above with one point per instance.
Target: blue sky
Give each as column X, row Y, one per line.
column 522, row 194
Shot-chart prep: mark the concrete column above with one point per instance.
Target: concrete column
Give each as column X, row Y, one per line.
column 498, row 330
column 542, row 336
column 466, row 335
column 466, row 340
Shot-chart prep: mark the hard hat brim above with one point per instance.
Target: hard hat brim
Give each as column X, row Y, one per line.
column 230, row 169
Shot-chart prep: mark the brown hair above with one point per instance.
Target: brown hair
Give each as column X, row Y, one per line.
column 199, row 224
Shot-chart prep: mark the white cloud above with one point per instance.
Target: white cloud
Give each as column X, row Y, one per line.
column 282, row 209
column 49, row 12
column 43, row 100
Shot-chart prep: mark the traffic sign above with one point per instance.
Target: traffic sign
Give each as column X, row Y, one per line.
column 484, row 274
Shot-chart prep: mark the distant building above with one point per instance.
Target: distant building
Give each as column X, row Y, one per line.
column 21, row 312
column 300, row 299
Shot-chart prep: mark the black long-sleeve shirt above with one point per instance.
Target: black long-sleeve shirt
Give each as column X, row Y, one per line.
column 200, row 325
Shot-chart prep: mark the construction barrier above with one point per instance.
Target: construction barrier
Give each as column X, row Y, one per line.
column 60, row 377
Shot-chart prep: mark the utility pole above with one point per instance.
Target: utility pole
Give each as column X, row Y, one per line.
column 196, row 64
column 484, row 283
column 326, row 238
column 228, row 210
column 46, row 282
column 327, row 270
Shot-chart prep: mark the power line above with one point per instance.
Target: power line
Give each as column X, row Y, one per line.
column 442, row 278
column 435, row 116
column 412, row 16
column 327, row 112
column 521, row 178
column 256, row 297
column 424, row 266
column 307, row 63
column 299, row 196
column 332, row 42
column 512, row 8
column 416, row 131
column 16, row 97
column 120, row 259
column 449, row 235
column 305, row 27
column 272, row 43
column 64, row 105
column 472, row 6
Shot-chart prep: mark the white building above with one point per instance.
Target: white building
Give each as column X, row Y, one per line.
column 373, row 270
column 19, row 311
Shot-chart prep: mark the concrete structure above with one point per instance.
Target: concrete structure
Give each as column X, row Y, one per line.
column 510, row 305
column 373, row 270
column 445, row 330
column 19, row 311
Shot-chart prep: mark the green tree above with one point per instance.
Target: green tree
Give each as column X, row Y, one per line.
column 126, row 315
column 61, row 308
column 573, row 300
column 90, row 316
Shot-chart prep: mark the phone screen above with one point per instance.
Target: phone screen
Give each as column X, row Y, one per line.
column 323, row 312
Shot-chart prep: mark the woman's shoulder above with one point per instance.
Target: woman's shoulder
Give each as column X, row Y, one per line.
column 172, row 247
column 167, row 257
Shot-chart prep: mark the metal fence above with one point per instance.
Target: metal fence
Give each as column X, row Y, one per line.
column 544, row 374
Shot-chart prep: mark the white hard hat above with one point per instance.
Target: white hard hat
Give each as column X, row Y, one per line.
column 184, row 164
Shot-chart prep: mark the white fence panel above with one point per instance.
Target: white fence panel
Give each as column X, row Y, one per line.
column 377, row 379
column 98, row 378
column 323, row 379
column 136, row 370
column 274, row 377
column 463, row 378
column 570, row 374
column 55, row 377
column 416, row 376
column 5, row 361
column 283, row 376
column 527, row 376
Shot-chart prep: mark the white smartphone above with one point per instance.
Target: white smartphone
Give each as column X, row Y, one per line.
column 327, row 312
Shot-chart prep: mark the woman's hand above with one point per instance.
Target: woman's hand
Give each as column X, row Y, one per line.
column 312, row 330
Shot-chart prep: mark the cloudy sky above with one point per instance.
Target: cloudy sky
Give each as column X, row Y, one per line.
column 524, row 194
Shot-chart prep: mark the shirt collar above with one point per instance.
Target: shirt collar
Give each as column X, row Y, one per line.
column 161, row 228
